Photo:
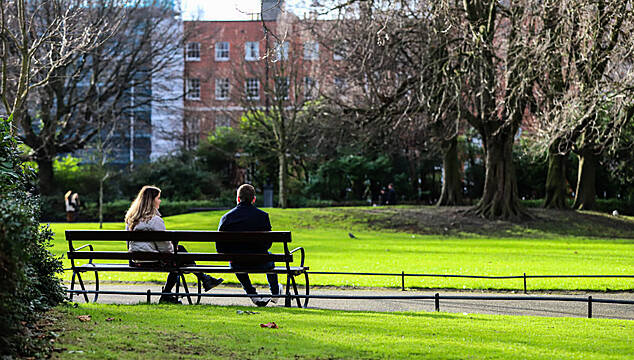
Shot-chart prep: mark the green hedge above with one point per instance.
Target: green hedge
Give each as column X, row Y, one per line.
column 28, row 271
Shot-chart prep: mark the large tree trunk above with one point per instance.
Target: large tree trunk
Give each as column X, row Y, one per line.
column 556, row 197
column 451, row 193
column 499, row 199
column 45, row 175
column 585, row 195
column 282, row 179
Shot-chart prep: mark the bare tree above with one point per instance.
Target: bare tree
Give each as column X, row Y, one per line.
column 26, row 44
column 586, row 96
column 110, row 82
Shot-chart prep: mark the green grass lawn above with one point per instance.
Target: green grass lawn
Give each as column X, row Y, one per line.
column 324, row 235
column 210, row 332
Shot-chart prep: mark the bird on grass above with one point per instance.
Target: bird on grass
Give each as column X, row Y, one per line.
column 351, row 235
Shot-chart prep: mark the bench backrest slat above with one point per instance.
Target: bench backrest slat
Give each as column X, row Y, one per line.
column 182, row 257
column 178, row 235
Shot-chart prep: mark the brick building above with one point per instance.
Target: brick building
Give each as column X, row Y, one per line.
column 226, row 71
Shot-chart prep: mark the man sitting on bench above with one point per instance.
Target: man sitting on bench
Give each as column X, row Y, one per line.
column 246, row 217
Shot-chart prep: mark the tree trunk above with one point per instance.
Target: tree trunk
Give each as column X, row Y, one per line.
column 499, row 199
column 282, row 179
column 45, row 175
column 556, row 197
column 585, row 195
column 451, row 193
column 101, row 202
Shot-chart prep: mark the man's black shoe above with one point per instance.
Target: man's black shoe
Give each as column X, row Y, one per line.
column 169, row 299
column 211, row 282
column 261, row 301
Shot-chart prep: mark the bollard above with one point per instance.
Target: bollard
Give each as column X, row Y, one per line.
column 149, row 301
column 590, row 307
column 402, row 280
column 437, row 301
column 525, row 283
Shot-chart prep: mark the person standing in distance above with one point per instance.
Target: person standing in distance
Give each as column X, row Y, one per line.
column 246, row 217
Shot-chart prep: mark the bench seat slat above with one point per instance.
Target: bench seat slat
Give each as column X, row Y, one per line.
column 200, row 268
column 178, row 235
column 182, row 257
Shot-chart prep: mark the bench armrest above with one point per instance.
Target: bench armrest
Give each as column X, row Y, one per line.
column 83, row 246
column 303, row 253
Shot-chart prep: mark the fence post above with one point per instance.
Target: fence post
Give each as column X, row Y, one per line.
column 148, row 296
column 437, row 301
column 402, row 280
column 525, row 283
column 590, row 307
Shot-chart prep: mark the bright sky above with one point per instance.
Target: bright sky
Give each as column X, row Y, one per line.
column 230, row 9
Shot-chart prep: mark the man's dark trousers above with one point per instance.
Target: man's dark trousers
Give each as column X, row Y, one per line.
column 246, row 217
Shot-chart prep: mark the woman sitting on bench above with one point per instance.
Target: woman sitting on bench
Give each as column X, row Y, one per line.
column 143, row 215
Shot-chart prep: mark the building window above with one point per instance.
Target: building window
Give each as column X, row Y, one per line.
column 338, row 52
column 311, row 50
column 252, row 87
column 223, row 120
column 222, row 89
column 282, row 51
column 340, row 83
column 252, row 51
column 193, row 51
column 310, row 85
column 193, row 89
column 192, row 133
column 281, row 87
column 222, row 51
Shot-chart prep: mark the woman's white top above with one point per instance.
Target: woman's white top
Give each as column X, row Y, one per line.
column 153, row 224
column 69, row 206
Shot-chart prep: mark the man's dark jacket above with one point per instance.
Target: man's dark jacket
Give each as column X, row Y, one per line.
column 244, row 217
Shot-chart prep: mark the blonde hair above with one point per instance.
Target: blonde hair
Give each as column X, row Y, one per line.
column 67, row 194
column 142, row 208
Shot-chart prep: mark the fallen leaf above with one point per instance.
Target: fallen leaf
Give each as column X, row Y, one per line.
column 270, row 325
column 110, row 319
column 84, row 318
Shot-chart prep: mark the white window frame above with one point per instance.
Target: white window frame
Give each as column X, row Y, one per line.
column 310, row 85
column 226, row 121
column 251, row 51
column 220, row 51
column 222, row 88
column 193, row 132
column 248, row 84
column 278, row 82
column 282, row 51
column 192, row 48
column 193, row 88
column 311, row 50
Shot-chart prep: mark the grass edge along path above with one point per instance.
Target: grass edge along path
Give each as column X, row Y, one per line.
column 324, row 234
column 193, row 332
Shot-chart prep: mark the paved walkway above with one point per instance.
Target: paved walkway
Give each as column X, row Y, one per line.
column 516, row 307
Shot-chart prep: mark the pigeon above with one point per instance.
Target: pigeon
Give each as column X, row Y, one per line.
column 351, row 235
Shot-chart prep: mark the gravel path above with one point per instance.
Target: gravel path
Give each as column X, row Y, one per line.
column 498, row 307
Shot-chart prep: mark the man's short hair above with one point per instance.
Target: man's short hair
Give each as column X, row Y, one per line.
column 246, row 193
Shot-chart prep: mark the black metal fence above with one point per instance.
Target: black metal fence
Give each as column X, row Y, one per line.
column 403, row 275
column 436, row 297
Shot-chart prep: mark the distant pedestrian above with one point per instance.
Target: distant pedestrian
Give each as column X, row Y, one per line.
column 390, row 196
column 76, row 204
column 70, row 209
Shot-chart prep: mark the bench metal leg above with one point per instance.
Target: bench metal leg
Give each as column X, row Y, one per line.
column 96, row 287
column 72, row 285
column 307, row 290
column 189, row 298
column 81, row 283
column 299, row 302
column 287, row 299
column 199, row 292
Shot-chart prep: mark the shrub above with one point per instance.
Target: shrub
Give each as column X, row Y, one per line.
column 28, row 280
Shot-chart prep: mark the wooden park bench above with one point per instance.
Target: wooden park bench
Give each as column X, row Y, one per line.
column 99, row 261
